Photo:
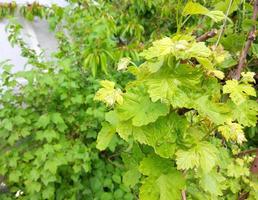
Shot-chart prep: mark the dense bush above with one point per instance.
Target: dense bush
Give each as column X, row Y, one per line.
column 182, row 114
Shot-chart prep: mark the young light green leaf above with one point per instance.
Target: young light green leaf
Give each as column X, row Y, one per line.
column 233, row 131
column 216, row 15
column 108, row 94
column 238, row 92
column 123, row 63
column 248, row 77
column 192, row 8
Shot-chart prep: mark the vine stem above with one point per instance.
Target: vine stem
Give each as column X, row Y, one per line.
column 183, row 195
column 224, row 23
column 207, row 35
column 251, row 37
column 246, row 152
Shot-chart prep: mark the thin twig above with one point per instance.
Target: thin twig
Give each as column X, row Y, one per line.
column 224, row 23
column 207, row 35
column 251, row 37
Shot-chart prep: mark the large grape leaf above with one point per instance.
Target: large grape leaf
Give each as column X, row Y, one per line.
column 164, row 182
column 180, row 48
column 174, row 85
column 162, row 135
column 140, row 109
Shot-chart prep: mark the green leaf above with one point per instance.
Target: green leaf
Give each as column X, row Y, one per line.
column 149, row 189
column 180, row 48
column 160, row 48
column 14, row 176
column 49, row 192
column 194, row 9
column 197, row 50
column 213, row 183
column 170, row 186
column 138, row 107
column 238, row 169
column 203, row 155
column 162, row 135
column 43, row 121
column 164, row 182
column 153, row 165
column 218, row 113
column 32, row 186
column 48, row 134
column 124, row 129
column 7, row 124
column 245, row 113
column 131, row 177
column 51, row 165
column 197, row 9
column 255, row 49
column 57, row 118
column 105, row 136
column 216, row 15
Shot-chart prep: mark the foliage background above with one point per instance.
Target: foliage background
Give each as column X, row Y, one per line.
column 49, row 126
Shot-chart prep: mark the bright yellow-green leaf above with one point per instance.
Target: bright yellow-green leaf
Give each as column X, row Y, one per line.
column 219, row 74
column 233, row 131
column 238, row 169
column 192, row 8
column 248, row 77
column 216, row 15
column 238, row 92
column 108, row 94
column 123, row 63
column 198, row 49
